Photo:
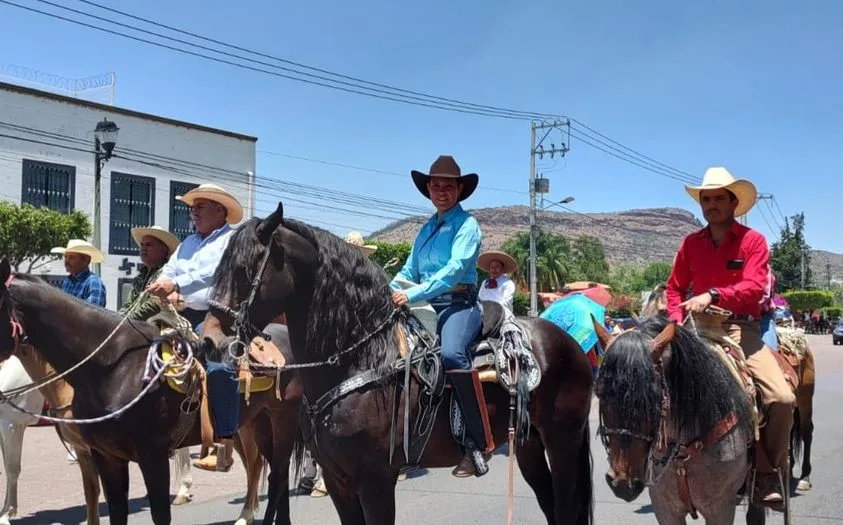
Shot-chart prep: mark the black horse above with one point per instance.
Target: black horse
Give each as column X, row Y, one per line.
column 343, row 326
column 65, row 330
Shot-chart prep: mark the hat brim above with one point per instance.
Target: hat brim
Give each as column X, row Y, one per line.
column 225, row 199
column 743, row 189
column 171, row 241
column 469, row 183
column 95, row 255
column 486, row 258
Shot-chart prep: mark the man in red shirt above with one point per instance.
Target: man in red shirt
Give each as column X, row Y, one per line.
column 727, row 264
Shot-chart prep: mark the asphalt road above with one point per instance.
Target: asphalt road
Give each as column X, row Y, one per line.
column 50, row 491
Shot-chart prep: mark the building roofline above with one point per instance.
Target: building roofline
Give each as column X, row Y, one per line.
column 4, row 86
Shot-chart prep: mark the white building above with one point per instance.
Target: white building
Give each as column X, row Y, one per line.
column 47, row 158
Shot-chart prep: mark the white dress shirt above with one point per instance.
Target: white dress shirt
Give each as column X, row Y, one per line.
column 193, row 264
column 503, row 293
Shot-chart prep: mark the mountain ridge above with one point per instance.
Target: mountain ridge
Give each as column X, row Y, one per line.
column 639, row 236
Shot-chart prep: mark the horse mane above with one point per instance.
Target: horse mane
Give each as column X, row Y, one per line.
column 702, row 391
column 351, row 293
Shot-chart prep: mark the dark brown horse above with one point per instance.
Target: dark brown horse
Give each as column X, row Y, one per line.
column 343, row 325
column 65, row 330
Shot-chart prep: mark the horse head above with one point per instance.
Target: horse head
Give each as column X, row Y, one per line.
column 262, row 268
column 630, row 390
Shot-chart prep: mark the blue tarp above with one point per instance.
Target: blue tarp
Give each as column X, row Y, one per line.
column 573, row 314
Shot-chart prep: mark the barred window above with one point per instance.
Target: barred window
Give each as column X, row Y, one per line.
column 132, row 205
column 48, row 184
column 180, row 224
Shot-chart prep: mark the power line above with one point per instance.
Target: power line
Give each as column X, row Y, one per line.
column 586, row 134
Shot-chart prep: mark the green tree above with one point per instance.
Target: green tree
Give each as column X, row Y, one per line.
column 626, row 279
column 808, row 300
column 390, row 256
column 590, row 259
column 27, row 233
column 554, row 261
column 786, row 255
column 656, row 273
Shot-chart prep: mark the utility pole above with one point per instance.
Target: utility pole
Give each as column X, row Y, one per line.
column 802, row 268
column 541, row 186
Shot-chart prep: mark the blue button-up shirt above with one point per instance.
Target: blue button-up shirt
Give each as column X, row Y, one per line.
column 193, row 265
column 85, row 285
column 443, row 255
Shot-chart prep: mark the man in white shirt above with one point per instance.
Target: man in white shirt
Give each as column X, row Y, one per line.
column 188, row 276
column 498, row 287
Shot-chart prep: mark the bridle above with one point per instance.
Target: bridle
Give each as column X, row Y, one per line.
column 243, row 326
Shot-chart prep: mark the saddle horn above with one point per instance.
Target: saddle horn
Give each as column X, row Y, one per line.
column 661, row 341
column 270, row 224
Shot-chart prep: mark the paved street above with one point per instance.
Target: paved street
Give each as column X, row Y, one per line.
column 50, row 489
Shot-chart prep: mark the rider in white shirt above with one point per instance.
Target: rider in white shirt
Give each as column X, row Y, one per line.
column 498, row 287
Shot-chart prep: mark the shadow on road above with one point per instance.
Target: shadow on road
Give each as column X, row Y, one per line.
column 74, row 514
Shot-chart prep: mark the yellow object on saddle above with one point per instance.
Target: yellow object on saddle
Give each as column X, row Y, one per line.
column 258, row 384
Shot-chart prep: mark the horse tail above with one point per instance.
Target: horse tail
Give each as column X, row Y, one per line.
column 796, row 435
column 584, row 482
column 299, row 450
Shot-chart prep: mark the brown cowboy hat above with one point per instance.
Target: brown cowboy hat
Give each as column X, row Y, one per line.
column 486, row 258
column 446, row 166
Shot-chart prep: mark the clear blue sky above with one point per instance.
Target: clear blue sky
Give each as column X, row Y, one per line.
column 755, row 87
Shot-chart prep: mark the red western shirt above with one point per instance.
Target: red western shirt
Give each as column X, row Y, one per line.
column 738, row 269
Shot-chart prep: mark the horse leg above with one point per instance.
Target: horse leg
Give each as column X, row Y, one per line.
column 155, row 467
column 377, row 497
column 666, row 505
column 11, row 440
column 250, row 456
column 805, row 409
column 184, row 478
column 345, row 501
column 114, row 474
column 533, row 466
column 756, row 515
column 90, row 484
column 569, row 453
column 283, row 438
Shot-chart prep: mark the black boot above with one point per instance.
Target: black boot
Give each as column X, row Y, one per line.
column 478, row 440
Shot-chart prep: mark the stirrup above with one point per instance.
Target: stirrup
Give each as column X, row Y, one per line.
column 481, row 467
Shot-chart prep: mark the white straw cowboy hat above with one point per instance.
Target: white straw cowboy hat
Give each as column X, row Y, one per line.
column 215, row 193
column 716, row 178
column 486, row 258
column 356, row 239
column 171, row 241
column 446, row 166
column 81, row 247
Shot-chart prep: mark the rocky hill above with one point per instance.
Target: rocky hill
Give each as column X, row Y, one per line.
column 636, row 236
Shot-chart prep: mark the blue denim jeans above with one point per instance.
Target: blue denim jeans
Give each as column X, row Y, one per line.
column 768, row 331
column 458, row 326
column 224, row 395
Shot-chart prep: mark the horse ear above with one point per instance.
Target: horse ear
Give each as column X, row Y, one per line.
column 603, row 336
column 658, row 345
column 5, row 270
column 270, row 224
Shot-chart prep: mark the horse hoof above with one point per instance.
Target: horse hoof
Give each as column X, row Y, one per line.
column 244, row 521
column 180, row 499
column 804, row 485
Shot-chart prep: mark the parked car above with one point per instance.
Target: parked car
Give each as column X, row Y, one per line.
column 837, row 333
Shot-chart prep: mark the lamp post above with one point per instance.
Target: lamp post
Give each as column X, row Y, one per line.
column 105, row 138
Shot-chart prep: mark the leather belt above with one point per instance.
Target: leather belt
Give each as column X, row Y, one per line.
column 461, row 288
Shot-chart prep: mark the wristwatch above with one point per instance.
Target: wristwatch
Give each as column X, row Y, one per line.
column 715, row 296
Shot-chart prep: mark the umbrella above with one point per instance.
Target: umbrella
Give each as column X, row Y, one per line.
column 573, row 314
column 598, row 294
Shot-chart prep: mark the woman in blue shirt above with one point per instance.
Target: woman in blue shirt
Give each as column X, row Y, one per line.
column 443, row 263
